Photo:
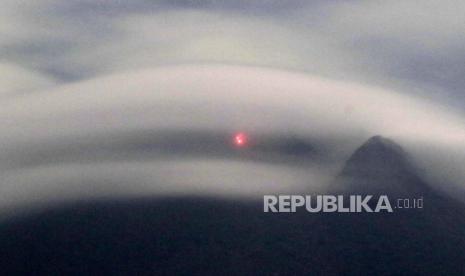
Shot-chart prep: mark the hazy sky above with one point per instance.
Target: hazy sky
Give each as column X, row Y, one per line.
column 411, row 46
column 87, row 88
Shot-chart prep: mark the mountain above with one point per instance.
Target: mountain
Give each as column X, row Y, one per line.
column 205, row 236
column 416, row 241
column 381, row 166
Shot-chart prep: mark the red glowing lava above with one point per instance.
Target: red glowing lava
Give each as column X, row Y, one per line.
column 240, row 139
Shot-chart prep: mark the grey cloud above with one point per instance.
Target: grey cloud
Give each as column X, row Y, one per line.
column 48, row 185
column 80, row 65
column 411, row 46
column 16, row 80
column 416, row 44
column 168, row 145
column 141, row 6
column 79, row 140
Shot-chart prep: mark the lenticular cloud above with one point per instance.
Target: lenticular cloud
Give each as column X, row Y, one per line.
column 52, row 139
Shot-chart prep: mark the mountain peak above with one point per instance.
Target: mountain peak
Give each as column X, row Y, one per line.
column 380, row 165
column 380, row 141
column 377, row 151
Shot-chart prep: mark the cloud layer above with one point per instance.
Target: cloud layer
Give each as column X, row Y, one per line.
column 101, row 137
column 87, row 84
column 410, row 46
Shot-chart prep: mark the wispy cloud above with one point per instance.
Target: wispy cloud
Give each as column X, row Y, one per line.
column 115, row 122
column 75, row 72
column 413, row 46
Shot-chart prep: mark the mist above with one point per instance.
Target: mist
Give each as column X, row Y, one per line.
column 168, row 130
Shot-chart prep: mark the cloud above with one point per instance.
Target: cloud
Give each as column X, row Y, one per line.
column 409, row 46
column 186, row 96
column 93, row 71
column 189, row 37
column 414, row 42
column 79, row 127
column 15, row 80
column 61, row 183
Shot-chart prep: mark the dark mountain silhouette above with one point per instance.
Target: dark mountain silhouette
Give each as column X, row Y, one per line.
column 380, row 166
column 204, row 236
column 407, row 241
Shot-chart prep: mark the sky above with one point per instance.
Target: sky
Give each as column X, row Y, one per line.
column 411, row 46
column 87, row 87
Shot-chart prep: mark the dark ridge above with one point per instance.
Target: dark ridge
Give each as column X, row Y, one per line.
column 381, row 166
column 377, row 152
column 195, row 236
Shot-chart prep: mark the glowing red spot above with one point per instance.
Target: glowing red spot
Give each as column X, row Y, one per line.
column 240, row 139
